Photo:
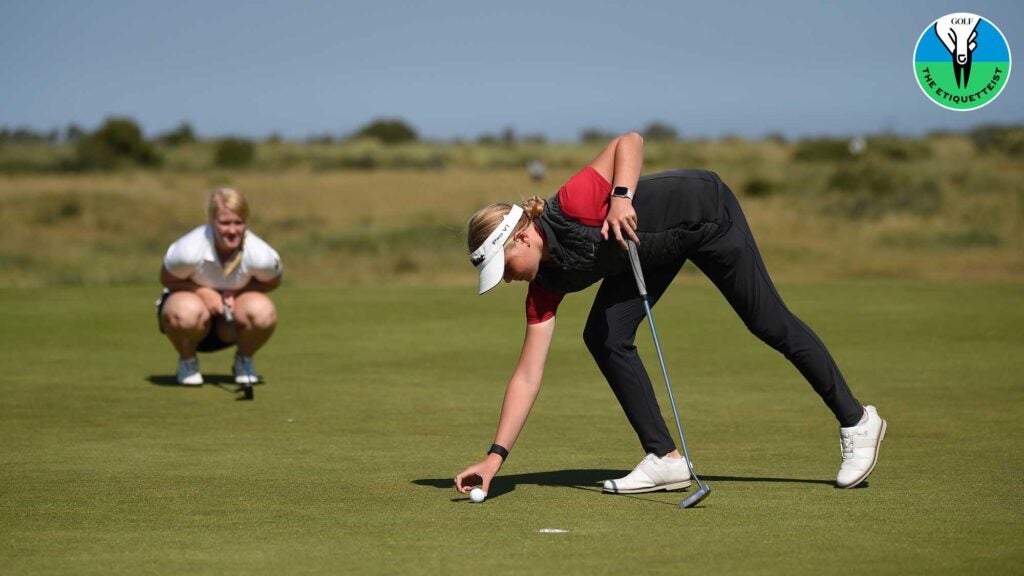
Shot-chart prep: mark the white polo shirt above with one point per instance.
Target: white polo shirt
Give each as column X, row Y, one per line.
column 194, row 257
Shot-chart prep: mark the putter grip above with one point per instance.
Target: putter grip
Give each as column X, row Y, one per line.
column 229, row 316
column 638, row 273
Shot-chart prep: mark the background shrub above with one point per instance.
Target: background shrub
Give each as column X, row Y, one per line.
column 1008, row 140
column 758, row 187
column 234, row 153
column 872, row 190
column 899, row 149
column 822, row 150
column 388, row 131
column 117, row 143
column 660, row 132
column 181, row 135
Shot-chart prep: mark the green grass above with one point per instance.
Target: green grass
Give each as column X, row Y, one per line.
column 376, row 398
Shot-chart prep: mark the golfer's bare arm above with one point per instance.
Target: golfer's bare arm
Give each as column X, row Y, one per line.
column 519, row 397
column 524, row 385
column 621, row 163
column 175, row 284
column 255, row 285
column 622, row 160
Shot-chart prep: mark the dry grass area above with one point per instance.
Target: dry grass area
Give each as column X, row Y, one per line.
column 951, row 215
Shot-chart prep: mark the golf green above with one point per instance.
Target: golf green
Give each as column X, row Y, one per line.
column 375, row 398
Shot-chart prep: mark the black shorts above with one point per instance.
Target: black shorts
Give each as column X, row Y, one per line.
column 210, row 343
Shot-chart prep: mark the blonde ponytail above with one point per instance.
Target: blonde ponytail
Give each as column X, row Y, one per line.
column 534, row 207
column 235, row 261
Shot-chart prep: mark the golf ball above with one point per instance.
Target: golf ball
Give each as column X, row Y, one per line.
column 477, row 495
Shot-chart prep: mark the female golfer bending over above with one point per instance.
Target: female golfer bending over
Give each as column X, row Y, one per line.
column 215, row 279
column 578, row 237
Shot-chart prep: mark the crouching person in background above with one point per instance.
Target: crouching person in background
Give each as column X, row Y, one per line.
column 216, row 279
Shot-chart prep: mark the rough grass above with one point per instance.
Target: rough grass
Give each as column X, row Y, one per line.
column 953, row 213
column 376, row 398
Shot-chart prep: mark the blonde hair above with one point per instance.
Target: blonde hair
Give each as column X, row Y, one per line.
column 489, row 217
column 229, row 199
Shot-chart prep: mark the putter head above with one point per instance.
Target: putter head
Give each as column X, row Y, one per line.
column 696, row 497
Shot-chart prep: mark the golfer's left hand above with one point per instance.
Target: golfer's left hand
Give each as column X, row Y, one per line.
column 621, row 221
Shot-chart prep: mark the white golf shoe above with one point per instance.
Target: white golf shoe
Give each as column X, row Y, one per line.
column 859, row 445
column 188, row 372
column 243, row 371
column 650, row 475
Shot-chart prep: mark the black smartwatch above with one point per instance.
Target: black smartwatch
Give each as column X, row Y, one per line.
column 622, row 192
column 499, row 450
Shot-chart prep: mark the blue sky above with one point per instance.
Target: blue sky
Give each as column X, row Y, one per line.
column 463, row 68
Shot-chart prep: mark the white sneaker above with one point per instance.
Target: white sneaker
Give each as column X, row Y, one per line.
column 859, row 445
column 188, row 372
column 650, row 475
column 243, row 370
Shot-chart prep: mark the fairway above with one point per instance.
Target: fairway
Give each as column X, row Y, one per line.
column 375, row 398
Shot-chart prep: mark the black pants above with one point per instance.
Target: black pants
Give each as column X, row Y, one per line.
column 731, row 260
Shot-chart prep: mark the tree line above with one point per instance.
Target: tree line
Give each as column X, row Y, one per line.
column 119, row 142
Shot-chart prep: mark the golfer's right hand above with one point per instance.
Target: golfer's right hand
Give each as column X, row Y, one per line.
column 211, row 299
column 479, row 474
column 621, row 222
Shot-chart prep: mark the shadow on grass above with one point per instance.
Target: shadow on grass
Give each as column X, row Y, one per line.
column 580, row 479
column 763, row 479
column 592, row 480
column 220, row 381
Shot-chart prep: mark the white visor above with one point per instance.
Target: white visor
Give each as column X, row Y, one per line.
column 489, row 258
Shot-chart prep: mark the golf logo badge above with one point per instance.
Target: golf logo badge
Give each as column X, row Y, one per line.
column 962, row 61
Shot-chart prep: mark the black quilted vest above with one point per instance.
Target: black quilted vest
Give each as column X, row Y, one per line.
column 676, row 212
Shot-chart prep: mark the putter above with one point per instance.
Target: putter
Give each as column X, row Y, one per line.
column 229, row 317
column 704, row 489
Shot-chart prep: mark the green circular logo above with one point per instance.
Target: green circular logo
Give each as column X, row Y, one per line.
column 962, row 61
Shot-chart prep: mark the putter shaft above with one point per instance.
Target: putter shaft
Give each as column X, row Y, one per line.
column 704, row 489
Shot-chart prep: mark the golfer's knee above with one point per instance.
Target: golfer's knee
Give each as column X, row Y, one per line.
column 773, row 332
column 265, row 320
column 259, row 314
column 603, row 343
column 594, row 339
column 185, row 313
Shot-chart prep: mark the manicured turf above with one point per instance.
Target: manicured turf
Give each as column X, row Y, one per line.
column 376, row 398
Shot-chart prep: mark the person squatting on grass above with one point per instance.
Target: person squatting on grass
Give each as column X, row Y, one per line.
column 578, row 236
column 216, row 269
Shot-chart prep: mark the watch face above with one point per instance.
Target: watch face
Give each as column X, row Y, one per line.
column 621, row 191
